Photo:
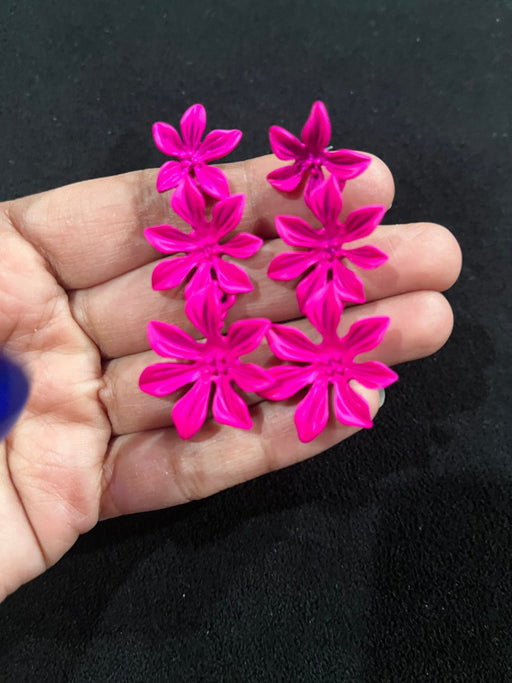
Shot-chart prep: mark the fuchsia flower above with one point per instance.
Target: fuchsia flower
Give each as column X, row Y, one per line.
column 216, row 361
column 310, row 155
column 324, row 250
column 192, row 154
column 202, row 247
column 330, row 362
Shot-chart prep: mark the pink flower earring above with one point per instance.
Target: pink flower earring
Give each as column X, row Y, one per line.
column 192, row 154
column 321, row 256
column 210, row 368
column 310, row 155
column 214, row 363
column 205, row 245
column 330, row 362
column 323, row 250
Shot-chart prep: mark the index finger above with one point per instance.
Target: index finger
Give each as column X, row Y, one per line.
column 91, row 232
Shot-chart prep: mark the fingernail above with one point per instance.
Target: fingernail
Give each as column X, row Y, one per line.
column 382, row 397
column 13, row 393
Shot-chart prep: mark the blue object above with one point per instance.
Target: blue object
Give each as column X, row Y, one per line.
column 13, row 393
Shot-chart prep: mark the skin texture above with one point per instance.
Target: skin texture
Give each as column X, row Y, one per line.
column 75, row 300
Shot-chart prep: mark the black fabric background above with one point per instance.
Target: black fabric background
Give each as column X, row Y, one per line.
column 388, row 557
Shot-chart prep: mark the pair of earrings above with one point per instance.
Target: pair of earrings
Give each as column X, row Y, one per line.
column 319, row 259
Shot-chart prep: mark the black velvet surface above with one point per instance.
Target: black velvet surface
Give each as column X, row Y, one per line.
column 386, row 558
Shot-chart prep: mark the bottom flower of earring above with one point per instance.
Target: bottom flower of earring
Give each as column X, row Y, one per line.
column 214, row 362
column 330, row 362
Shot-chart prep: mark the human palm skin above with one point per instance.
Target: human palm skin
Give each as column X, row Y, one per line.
column 75, row 300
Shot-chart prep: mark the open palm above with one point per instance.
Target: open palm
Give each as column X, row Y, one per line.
column 75, row 300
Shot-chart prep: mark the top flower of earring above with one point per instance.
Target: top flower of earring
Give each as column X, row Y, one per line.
column 310, row 155
column 192, row 154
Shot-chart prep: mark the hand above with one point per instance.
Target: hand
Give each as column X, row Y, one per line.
column 75, row 300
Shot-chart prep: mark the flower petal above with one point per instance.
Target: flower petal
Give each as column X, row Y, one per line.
column 348, row 285
column 372, row 374
column 289, row 343
column 243, row 245
column 203, row 309
column 167, row 139
column 346, row 164
column 229, row 408
column 218, row 143
column 365, row 335
column 286, row 178
column 226, row 300
column 284, row 144
column 171, row 272
column 227, row 214
column 189, row 203
column 232, row 279
column 312, row 412
column 201, row 279
column 324, row 312
column 287, row 381
column 349, row 407
column 212, row 181
column 246, row 335
column 169, row 240
column 290, row 265
column 314, row 282
column 325, row 201
column 251, row 377
column 295, row 231
column 366, row 257
column 170, row 341
column 192, row 126
column 317, row 129
column 361, row 222
column 315, row 180
column 189, row 413
column 170, row 175
column 163, row 379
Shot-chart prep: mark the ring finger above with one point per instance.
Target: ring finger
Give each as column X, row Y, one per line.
column 422, row 256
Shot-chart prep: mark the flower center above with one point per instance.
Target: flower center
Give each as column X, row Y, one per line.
column 208, row 250
column 313, row 161
column 333, row 249
column 189, row 161
column 330, row 367
column 218, row 364
column 221, row 366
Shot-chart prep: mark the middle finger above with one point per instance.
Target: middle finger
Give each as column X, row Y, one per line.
column 422, row 256
column 420, row 324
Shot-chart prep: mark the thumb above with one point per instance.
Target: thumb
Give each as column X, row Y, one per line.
column 14, row 389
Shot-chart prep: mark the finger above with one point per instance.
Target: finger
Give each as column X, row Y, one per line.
column 420, row 324
column 92, row 231
column 154, row 470
column 115, row 314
